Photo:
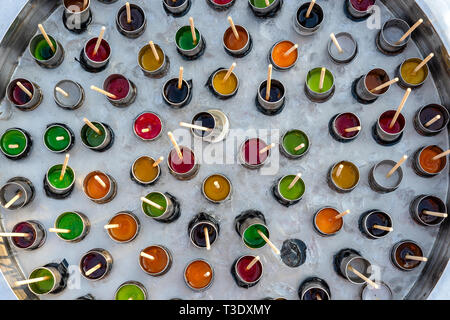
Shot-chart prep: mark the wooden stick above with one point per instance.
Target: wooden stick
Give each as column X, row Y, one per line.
column 291, row 49
column 208, row 244
column 93, row 269
column 153, row 204
column 59, row 138
column 100, row 181
column 180, row 78
column 175, row 145
column 269, row 81
column 85, row 4
column 322, row 78
column 15, row 234
column 400, row 107
column 112, row 226
column 13, row 146
column 363, row 277
column 311, row 5
column 14, row 199
column 318, row 297
column 22, row 87
column 128, row 8
column 389, row 229
column 252, row 263
column 207, row 274
column 46, row 37
column 147, row 256
column 435, row 118
column 216, row 184
column 230, row 70
column 384, row 85
column 267, row 148
column 300, row 146
column 30, row 281
column 339, row 170
column 274, row 248
column 416, row 258
column 397, row 165
column 104, row 92
column 435, row 214
column 64, row 167
column 297, row 177
column 194, row 35
column 99, row 40
column 352, row 129
column 441, row 155
column 194, row 126
column 155, row 53
column 57, row 230
column 342, row 214
column 410, row 30
column 233, row 27
column 424, row 62
column 145, row 130
column 92, row 126
column 157, row 162
column 336, row 43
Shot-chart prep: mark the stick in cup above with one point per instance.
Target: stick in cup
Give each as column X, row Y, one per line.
column 153, row 204
column 410, row 30
column 297, row 177
column 24, row 89
column 400, row 108
column 92, row 126
column 397, row 165
column 104, row 92
column 175, row 145
column 274, row 248
column 253, row 262
column 230, row 70
column 384, row 85
column 336, row 43
column 46, row 37
column 99, row 40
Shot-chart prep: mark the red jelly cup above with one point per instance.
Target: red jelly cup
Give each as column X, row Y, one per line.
column 148, row 126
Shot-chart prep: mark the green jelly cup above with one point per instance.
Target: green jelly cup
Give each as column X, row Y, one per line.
column 76, row 222
column 131, row 290
column 286, row 196
column 291, row 140
column 251, row 237
column 155, row 213
column 43, row 54
column 58, row 138
column 46, row 286
column 312, row 85
column 15, row 143
column 185, row 43
column 94, row 141
column 56, row 185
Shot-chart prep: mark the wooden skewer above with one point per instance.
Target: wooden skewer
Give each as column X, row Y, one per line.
column 435, row 214
column 157, row 162
column 339, row 170
column 207, row 274
column 112, row 226
column 384, row 85
column 274, row 248
column 267, row 148
column 397, row 165
column 208, row 244
column 22, row 87
column 175, row 145
column 269, row 81
column 352, row 129
column 100, row 181
column 363, row 277
column 389, row 229
column 180, row 78
column 410, row 30
column 59, row 138
column 13, row 146
column 147, row 256
column 300, row 146
column 128, row 8
column 297, row 177
column 29, row 281
column 233, row 27
column 416, row 258
column 216, row 184
column 441, row 155
column 85, row 4
column 230, row 70
column 336, row 43
column 322, row 78
column 14, row 199
column 155, row 53
column 342, row 214
column 99, row 40
column 145, row 130
column 400, row 107
column 194, row 35
column 153, row 204
column 194, row 126
column 252, row 263
column 46, row 37
column 318, row 297
column 93, row 269
column 424, row 62
column 15, row 234
column 92, row 126
column 104, row 92
column 64, row 167
column 311, row 5
column 291, row 49
column 435, row 118
column 57, row 230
